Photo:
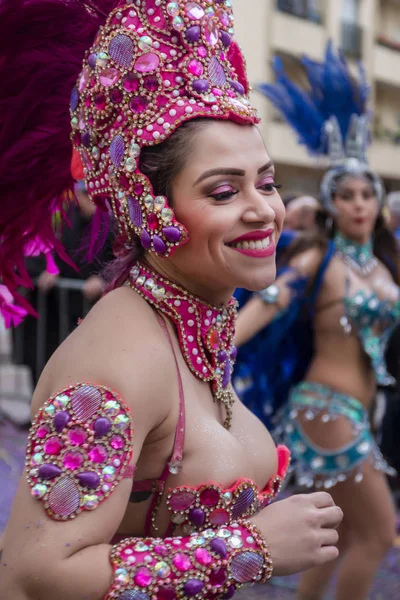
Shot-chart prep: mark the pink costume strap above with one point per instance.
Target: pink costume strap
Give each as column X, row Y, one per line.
column 173, row 466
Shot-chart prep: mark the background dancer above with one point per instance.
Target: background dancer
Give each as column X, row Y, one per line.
column 334, row 304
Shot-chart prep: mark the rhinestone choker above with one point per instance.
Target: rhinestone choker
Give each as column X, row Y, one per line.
column 205, row 331
column 359, row 257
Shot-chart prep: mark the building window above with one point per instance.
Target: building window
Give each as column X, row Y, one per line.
column 351, row 41
column 306, row 9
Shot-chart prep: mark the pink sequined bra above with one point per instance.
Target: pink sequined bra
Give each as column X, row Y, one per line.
column 209, row 505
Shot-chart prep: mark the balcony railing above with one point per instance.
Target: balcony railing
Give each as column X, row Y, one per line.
column 351, row 42
column 305, row 9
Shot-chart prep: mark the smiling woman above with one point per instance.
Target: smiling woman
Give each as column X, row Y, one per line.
column 150, row 481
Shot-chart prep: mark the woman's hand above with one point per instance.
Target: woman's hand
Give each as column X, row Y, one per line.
column 301, row 531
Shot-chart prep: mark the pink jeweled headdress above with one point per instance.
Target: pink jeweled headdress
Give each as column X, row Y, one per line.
column 154, row 65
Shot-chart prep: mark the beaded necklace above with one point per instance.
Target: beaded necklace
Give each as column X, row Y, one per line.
column 359, row 257
column 205, row 331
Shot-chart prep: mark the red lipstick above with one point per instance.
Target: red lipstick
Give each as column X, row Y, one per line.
column 253, row 236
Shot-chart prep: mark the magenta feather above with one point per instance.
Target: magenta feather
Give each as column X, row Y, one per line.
column 42, row 46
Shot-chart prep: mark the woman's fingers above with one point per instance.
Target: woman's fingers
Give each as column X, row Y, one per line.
column 322, row 499
column 329, row 537
column 331, row 517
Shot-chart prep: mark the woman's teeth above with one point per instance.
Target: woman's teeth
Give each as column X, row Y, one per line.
column 253, row 245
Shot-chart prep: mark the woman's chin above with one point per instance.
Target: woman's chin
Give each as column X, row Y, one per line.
column 256, row 284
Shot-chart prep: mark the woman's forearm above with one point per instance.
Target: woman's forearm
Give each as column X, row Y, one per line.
column 208, row 564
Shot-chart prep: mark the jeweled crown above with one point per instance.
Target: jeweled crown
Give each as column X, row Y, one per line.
column 153, row 66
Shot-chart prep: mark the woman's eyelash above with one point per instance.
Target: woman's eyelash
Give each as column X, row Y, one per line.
column 226, row 194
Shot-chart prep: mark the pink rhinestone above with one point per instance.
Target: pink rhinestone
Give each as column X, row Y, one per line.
column 73, row 460
column 98, row 454
column 143, row 577
column 117, row 442
column 182, row 562
column 138, row 189
column 84, row 79
column 223, row 17
column 152, row 222
column 194, row 11
column 77, row 436
column 161, row 550
column 182, row 500
column 202, row 51
column 88, row 102
column 147, row 62
column 53, row 446
column 116, row 96
column 109, row 77
column 219, row 516
column 196, row 68
column 100, row 102
column 42, row 431
column 138, row 104
column 124, row 181
column 151, row 83
column 211, row 32
column 203, row 557
column 217, row 92
column 209, row 497
column 218, row 578
column 131, row 83
column 166, row 593
column 162, row 101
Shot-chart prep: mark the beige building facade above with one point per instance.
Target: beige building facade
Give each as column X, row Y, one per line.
column 365, row 29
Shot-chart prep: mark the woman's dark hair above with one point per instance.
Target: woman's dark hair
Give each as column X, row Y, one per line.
column 384, row 243
column 161, row 164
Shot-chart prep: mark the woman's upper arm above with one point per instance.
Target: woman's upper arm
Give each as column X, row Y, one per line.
column 84, row 436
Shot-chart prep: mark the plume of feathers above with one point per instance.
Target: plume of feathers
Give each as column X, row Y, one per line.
column 332, row 92
column 42, row 46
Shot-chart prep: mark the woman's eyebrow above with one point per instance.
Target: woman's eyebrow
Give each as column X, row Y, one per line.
column 230, row 171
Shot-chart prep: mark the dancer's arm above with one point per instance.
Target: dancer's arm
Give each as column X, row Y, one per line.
column 72, row 559
column 264, row 306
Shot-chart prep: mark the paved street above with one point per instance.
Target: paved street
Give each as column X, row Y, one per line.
column 12, row 449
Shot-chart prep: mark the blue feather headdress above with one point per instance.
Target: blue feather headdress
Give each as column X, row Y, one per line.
column 330, row 118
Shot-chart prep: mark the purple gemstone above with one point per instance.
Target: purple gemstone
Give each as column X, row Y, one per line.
column 237, row 87
column 145, row 239
column 226, row 377
column 172, row 234
column 225, row 38
column 102, row 426
column 246, row 566
column 159, row 245
column 86, row 139
column 193, row 587
column 193, row 33
column 121, row 50
column 61, row 420
column 216, row 72
column 89, row 479
column 219, row 547
column 222, row 356
column 197, row 516
column 49, row 471
column 135, row 211
column 242, row 503
column 74, row 101
column 133, row 595
column 92, row 60
column 117, row 150
column 201, row 85
column 230, row 593
column 233, row 353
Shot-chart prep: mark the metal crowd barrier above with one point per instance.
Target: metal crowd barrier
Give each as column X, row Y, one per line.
column 63, row 288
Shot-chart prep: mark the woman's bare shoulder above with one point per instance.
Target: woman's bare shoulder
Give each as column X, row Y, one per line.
column 121, row 345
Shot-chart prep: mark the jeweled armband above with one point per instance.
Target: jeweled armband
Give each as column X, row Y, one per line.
column 79, row 447
column 211, row 564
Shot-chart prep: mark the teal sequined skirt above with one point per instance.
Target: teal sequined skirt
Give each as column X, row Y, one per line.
column 316, row 466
